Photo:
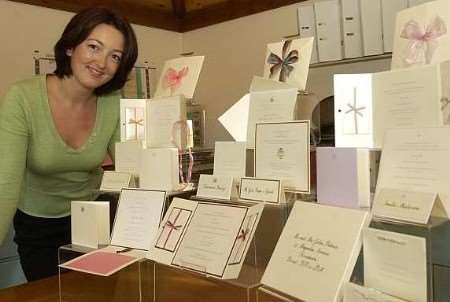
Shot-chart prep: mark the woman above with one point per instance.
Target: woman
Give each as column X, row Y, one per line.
column 55, row 131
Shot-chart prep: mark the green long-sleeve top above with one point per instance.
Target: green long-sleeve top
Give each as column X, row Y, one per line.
column 39, row 173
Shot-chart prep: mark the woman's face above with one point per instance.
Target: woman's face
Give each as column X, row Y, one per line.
column 95, row 60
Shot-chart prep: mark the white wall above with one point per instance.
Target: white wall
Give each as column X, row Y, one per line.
column 25, row 28
column 235, row 51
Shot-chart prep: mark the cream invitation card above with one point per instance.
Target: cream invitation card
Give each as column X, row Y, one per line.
column 396, row 264
column 132, row 119
column 314, row 257
column 115, row 181
column 230, row 159
column 357, row 293
column 282, row 152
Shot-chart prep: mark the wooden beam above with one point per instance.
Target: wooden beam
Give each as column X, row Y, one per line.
column 179, row 8
column 137, row 14
column 229, row 10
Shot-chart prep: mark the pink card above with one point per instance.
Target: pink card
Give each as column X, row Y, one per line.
column 100, row 263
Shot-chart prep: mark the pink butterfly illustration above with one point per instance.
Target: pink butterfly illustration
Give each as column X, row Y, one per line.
column 173, row 79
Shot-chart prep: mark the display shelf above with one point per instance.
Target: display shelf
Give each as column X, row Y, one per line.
column 124, row 285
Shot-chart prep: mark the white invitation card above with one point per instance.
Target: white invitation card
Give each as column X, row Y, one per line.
column 126, row 157
column 137, row 219
column 416, row 160
column 217, row 187
column 270, row 106
column 282, row 152
column 113, row 181
column 357, row 293
column 132, row 119
column 396, row 264
column 159, row 169
column 208, row 238
column 230, row 159
column 316, row 252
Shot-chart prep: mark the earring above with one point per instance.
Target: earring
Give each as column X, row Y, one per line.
column 69, row 52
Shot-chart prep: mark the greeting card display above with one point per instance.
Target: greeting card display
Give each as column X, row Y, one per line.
column 209, row 238
column 288, row 61
column 422, row 35
column 179, row 77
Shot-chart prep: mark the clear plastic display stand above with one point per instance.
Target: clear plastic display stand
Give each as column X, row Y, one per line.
column 177, row 284
column 437, row 236
column 124, row 285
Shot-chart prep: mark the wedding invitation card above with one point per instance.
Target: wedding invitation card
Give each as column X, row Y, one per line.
column 132, row 119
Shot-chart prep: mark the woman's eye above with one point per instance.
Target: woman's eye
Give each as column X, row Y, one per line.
column 93, row 47
column 116, row 58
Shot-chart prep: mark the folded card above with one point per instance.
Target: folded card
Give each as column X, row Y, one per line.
column 113, row 181
column 357, row 293
column 314, row 257
column 90, row 223
column 208, row 238
column 127, row 157
column 132, row 119
column 368, row 104
column 343, row 177
column 159, row 169
column 217, row 187
column 288, row 61
column 422, row 35
column 179, row 77
column 262, row 190
column 166, row 123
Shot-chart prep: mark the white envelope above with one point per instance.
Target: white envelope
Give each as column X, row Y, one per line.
column 132, row 119
column 316, row 252
column 343, row 177
column 127, row 157
column 208, row 238
column 179, row 77
column 422, row 35
column 235, row 119
column 366, row 105
column 288, row 61
column 166, row 122
column 90, row 223
column 159, row 169
column 396, row 264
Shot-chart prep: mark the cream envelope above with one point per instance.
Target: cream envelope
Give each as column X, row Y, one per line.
column 90, row 223
column 159, row 169
column 262, row 84
column 288, row 61
column 316, row 252
column 132, row 119
column 422, row 35
column 366, row 105
column 166, row 124
column 127, row 157
column 208, row 238
column 396, row 264
column 235, row 119
column 270, row 106
column 179, row 77
column 357, row 293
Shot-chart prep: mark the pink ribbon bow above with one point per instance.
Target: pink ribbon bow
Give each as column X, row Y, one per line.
column 422, row 44
column 243, row 234
column 173, row 79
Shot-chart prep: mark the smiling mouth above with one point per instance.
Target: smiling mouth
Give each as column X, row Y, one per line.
column 95, row 72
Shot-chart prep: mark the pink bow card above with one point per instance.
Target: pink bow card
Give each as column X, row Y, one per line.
column 288, row 61
column 179, row 77
column 132, row 119
column 422, row 35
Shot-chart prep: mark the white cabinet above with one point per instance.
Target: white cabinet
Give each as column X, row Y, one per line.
column 371, row 27
column 328, row 30
column 351, row 25
column 390, row 8
column 307, row 27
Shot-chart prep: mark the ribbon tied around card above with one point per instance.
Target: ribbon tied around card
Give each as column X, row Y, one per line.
column 172, row 226
column 183, row 125
column 283, row 64
column 173, row 79
column 135, row 127
column 422, row 44
column 356, row 111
